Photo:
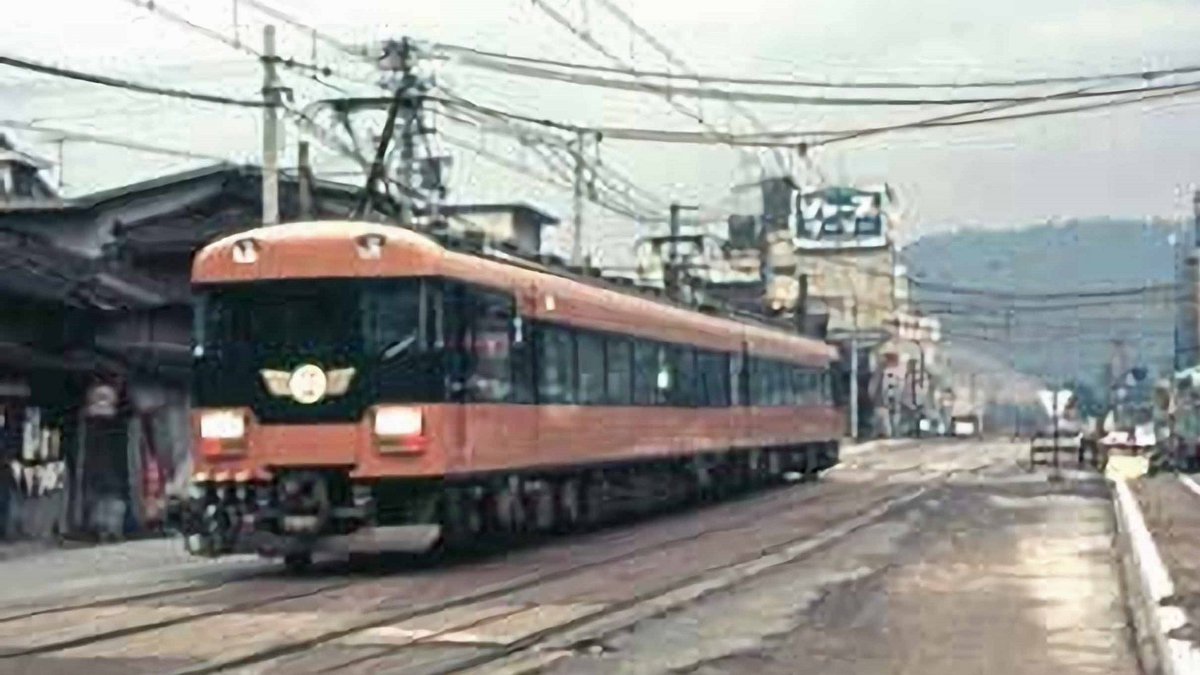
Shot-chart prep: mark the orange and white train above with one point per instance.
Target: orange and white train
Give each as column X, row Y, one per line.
column 358, row 386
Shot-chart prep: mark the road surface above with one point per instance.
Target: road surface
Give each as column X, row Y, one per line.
column 924, row 558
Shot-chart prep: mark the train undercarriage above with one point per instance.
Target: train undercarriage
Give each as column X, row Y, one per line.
column 306, row 510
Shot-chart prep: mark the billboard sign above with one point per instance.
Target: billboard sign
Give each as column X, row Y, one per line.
column 840, row 218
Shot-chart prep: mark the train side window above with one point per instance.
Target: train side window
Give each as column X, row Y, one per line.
column 681, row 364
column 737, row 380
column 590, row 349
column 780, row 381
column 719, row 383
column 712, row 370
column 645, row 372
column 753, row 396
column 491, row 375
column 704, row 366
column 523, row 382
column 555, row 365
column 619, row 360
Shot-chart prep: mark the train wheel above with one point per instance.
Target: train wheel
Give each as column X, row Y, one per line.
column 774, row 466
column 593, row 501
column 755, row 469
column 570, row 505
column 461, row 517
column 810, row 459
column 544, row 511
column 297, row 563
column 509, row 507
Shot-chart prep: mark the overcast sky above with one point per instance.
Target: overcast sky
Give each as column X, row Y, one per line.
column 1124, row 162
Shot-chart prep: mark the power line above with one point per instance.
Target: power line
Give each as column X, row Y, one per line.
column 362, row 54
column 587, row 39
column 158, row 8
column 731, row 96
column 1008, row 295
column 129, row 85
column 679, row 63
column 1178, row 90
column 1146, row 75
column 296, row 23
column 109, row 140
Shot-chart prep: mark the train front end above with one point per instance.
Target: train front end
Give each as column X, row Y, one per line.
column 315, row 382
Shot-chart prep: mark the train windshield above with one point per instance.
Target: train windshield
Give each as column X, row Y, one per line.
column 347, row 317
column 379, row 327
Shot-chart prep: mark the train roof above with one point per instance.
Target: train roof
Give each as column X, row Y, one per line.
column 339, row 249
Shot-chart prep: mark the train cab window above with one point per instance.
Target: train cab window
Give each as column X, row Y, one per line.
column 555, row 365
column 645, row 372
column 590, row 350
column 619, row 361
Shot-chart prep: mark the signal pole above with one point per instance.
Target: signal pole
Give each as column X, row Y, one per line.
column 270, row 161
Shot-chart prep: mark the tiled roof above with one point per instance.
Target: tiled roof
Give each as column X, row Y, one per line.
column 34, row 268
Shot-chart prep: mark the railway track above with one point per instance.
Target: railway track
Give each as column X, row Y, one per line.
column 731, row 517
column 308, row 588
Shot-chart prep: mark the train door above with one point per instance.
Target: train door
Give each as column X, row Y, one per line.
column 739, row 394
column 496, row 433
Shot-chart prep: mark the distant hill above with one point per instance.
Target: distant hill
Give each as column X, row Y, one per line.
column 1067, row 337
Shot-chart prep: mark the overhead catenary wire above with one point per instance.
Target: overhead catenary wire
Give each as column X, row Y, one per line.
column 362, row 53
column 673, row 59
column 158, row 8
column 1145, row 75
column 109, row 140
column 764, row 97
column 587, row 39
column 129, row 85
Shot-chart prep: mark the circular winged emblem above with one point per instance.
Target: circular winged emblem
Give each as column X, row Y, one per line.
column 308, row 384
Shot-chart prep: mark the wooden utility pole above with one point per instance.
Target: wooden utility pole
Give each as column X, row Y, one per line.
column 270, row 159
column 407, row 82
column 577, row 205
column 673, row 277
column 854, row 374
column 304, row 177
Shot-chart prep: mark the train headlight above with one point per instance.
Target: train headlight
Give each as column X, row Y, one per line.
column 398, row 421
column 225, row 425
